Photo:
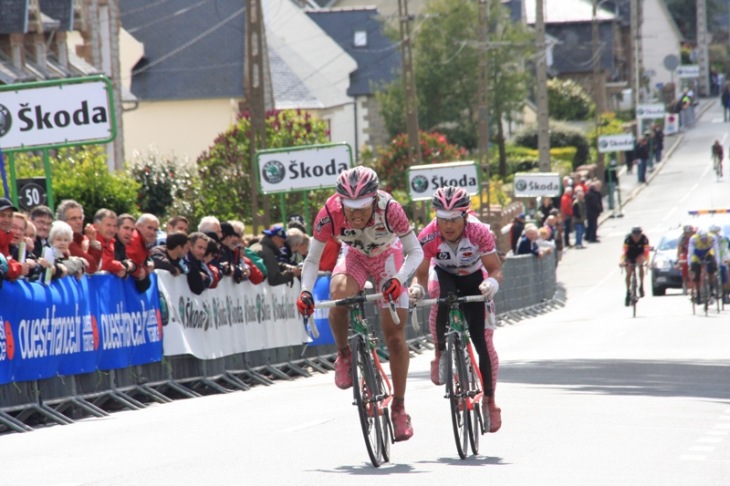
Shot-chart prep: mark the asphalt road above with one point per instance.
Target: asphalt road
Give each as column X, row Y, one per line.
column 590, row 395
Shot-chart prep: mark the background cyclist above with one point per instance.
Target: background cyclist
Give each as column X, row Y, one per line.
column 723, row 258
column 717, row 155
column 460, row 252
column 682, row 260
column 703, row 247
column 636, row 252
column 374, row 231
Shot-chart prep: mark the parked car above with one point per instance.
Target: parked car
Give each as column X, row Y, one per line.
column 665, row 273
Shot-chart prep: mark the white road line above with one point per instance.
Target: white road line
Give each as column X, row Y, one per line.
column 691, row 190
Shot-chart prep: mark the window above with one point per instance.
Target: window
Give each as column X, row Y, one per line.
column 360, row 38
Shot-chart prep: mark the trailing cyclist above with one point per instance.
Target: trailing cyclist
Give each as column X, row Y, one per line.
column 636, row 252
column 375, row 232
column 703, row 248
column 682, row 260
column 723, row 246
column 717, row 156
column 460, row 252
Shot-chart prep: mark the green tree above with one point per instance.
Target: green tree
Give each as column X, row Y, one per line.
column 567, row 100
column 226, row 178
column 81, row 173
column 446, row 63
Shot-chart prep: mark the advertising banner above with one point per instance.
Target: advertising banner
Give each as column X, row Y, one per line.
column 71, row 326
column 615, row 143
column 534, row 184
column 654, row 110
column 47, row 114
column 229, row 319
column 302, row 168
column 423, row 180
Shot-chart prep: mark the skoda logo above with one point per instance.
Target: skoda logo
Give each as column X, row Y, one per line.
column 6, row 120
column 602, row 144
column 273, row 172
column 521, row 185
column 419, row 183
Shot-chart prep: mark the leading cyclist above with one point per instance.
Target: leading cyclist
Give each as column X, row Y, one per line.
column 636, row 252
column 703, row 248
column 459, row 249
column 375, row 232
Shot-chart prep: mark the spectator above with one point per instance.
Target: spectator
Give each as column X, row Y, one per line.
column 544, row 210
column 642, row 155
column 42, row 218
column 168, row 256
column 515, row 231
column 658, row 142
column 212, row 264
column 247, row 252
column 725, row 101
column 60, row 238
column 198, row 275
column 84, row 242
column 211, row 227
column 566, row 212
column 556, row 219
column 594, row 207
column 297, row 241
column 528, row 242
column 232, row 256
column 176, row 224
column 31, row 235
column 105, row 222
column 143, row 238
column 269, row 249
column 29, row 267
column 125, row 229
column 611, row 176
column 579, row 183
column 579, row 217
column 544, row 242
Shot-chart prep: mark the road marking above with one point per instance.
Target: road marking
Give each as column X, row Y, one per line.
column 691, row 190
column 307, row 425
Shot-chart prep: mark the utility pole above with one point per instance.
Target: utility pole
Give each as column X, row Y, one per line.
column 116, row 79
column 254, row 82
column 543, row 122
column 702, row 54
column 635, row 65
column 483, row 96
column 409, row 85
column 598, row 89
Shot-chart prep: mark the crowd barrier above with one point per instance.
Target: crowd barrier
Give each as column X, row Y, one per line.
column 90, row 346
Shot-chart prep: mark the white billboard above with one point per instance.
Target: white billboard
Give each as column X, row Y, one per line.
column 423, row 180
column 615, row 143
column 45, row 114
column 302, row 168
column 534, row 184
column 653, row 110
column 688, row 71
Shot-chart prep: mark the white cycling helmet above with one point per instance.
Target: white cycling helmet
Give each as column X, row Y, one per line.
column 714, row 229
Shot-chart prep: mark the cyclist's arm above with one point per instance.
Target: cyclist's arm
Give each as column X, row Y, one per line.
column 691, row 249
column 422, row 273
column 493, row 266
column 414, row 256
column 310, row 268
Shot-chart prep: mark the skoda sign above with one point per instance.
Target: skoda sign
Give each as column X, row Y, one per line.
column 615, row 143
column 302, row 168
column 50, row 114
column 534, row 184
column 423, row 180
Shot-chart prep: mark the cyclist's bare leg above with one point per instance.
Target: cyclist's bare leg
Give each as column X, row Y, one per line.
column 341, row 286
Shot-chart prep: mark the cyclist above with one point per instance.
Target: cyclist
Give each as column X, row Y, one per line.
column 682, row 251
column 462, row 256
column 636, row 252
column 703, row 248
column 375, row 232
column 723, row 246
column 717, row 155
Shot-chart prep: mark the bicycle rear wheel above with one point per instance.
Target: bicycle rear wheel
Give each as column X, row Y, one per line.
column 634, row 297
column 365, row 394
column 456, row 386
column 705, row 293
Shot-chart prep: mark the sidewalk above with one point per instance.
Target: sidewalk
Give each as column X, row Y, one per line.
column 629, row 186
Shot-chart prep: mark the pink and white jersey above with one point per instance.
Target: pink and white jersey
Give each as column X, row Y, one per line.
column 466, row 257
column 389, row 221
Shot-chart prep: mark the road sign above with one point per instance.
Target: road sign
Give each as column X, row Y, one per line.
column 31, row 193
column 302, row 168
column 615, row 143
column 688, row 71
column 534, row 184
column 423, row 180
column 653, row 110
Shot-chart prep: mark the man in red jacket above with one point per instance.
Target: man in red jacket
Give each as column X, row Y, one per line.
column 566, row 210
column 143, row 238
column 84, row 243
column 15, row 269
column 105, row 222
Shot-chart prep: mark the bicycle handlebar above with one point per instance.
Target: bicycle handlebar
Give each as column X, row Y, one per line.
column 359, row 299
column 465, row 299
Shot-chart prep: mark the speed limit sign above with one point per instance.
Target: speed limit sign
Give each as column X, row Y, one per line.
column 31, row 193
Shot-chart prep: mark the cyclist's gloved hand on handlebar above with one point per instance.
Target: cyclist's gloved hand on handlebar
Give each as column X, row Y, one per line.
column 415, row 292
column 305, row 304
column 489, row 288
column 392, row 289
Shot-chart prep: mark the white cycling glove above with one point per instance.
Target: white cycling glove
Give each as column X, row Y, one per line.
column 489, row 288
column 415, row 292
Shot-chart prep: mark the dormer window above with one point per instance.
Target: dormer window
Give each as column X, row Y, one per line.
column 360, row 38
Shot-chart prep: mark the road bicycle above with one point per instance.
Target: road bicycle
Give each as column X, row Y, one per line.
column 702, row 293
column 372, row 391
column 464, row 388
column 633, row 286
column 717, row 166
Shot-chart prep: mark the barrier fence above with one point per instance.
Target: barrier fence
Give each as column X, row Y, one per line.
column 87, row 347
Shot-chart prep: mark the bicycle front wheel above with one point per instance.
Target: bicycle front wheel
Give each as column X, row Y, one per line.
column 476, row 426
column 456, row 387
column 366, row 399
column 634, row 296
